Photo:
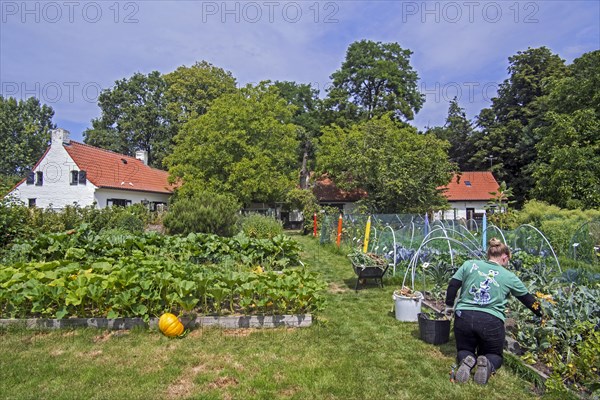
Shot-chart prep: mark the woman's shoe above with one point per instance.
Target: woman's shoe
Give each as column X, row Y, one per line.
column 483, row 371
column 464, row 370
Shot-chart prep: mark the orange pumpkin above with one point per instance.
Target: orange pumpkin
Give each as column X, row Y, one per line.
column 169, row 325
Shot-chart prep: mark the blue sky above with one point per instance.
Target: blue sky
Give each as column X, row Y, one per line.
column 65, row 52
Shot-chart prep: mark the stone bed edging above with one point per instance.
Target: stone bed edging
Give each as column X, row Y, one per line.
column 228, row 322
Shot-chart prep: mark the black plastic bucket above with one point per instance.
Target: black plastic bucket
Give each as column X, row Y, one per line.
column 434, row 331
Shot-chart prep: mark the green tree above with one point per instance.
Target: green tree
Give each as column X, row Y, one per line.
column 307, row 117
column 502, row 215
column 568, row 170
column 191, row 90
column 507, row 129
column 244, row 145
column 24, row 136
column 458, row 131
column 400, row 169
column 134, row 117
column 375, row 79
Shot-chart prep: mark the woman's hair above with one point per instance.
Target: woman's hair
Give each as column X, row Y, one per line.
column 496, row 248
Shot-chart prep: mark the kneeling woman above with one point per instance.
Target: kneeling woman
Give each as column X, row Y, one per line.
column 479, row 314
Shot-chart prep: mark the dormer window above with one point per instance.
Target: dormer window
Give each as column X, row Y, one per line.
column 467, row 183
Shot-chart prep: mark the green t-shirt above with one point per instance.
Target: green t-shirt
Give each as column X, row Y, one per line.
column 486, row 287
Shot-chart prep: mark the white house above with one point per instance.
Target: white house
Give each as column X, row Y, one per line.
column 70, row 172
column 468, row 193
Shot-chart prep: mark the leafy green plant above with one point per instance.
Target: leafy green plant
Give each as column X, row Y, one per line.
column 502, row 215
column 364, row 260
column 204, row 212
column 559, row 225
column 565, row 340
column 13, row 221
column 260, row 226
column 438, row 274
column 116, row 273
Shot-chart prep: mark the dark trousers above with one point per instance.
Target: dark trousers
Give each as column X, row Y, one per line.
column 478, row 333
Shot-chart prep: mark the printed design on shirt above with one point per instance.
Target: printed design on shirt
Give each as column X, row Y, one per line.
column 474, row 267
column 481, row 294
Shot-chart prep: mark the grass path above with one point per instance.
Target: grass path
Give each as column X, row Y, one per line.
column 357, row 350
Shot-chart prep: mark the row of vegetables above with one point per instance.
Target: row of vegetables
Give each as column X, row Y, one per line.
column 567, row 340
column 115, row 274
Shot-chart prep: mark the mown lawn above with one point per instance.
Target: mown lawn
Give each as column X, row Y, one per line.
column 356, row 350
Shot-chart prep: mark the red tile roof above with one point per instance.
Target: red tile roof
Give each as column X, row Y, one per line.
column 481, row 184
column 107, row 169
column 326, row 191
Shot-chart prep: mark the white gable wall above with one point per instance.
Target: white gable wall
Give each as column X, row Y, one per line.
column 56, row 190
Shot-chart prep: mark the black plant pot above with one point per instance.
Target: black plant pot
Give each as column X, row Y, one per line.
column 434, row 331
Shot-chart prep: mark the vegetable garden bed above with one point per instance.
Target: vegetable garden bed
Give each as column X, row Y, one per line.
column 81, row 274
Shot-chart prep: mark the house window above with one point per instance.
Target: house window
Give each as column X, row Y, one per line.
column 74, row 177
column 470, row 213
column 468, row 183
column 158, row 206
column 118, row 202
column 31, row 202
column 30, row 178
column 39, row 178
column 78, row 177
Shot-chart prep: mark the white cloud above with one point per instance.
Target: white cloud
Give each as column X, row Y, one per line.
column 272, row 46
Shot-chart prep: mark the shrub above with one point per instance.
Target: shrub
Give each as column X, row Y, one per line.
column 261, row 226
column 127, row 222
column 558, row 225
column 45, row 220
column 204, row 212
column 132, row 219
column 306, row 201
column 13, row 221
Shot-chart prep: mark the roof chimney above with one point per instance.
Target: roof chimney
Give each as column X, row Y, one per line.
column 142, row 155
column 60, row 136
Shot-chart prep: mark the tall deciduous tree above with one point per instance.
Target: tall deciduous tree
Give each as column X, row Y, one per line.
column 399, row 168
column 191, row 90
column 507, row 129
column 375, row 78
column 568, row 170
column 24, row 135
column 244, row 145
column 134, row 117
column 307, row 116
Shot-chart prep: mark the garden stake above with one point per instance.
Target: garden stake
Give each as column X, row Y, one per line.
column 315, row 224
column 339, row 233
column 367, row 232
